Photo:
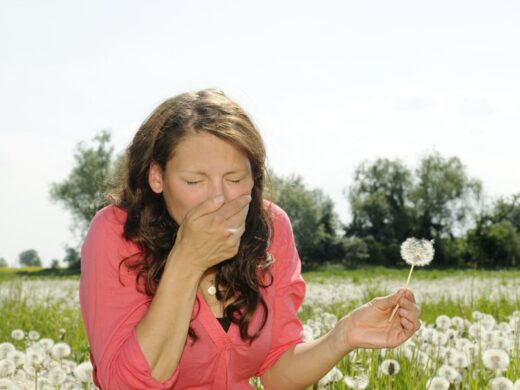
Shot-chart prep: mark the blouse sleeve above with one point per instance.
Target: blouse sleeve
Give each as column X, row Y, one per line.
column 111, row 308
column 287, row 329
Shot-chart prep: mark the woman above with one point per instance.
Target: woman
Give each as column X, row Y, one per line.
column 191, row 280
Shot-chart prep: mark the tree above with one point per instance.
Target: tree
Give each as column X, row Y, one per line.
column 315, row 223
column 83, row 190
column 30, row 258
column 3, row 263
column 444, row 196
column 381, row 214
column 495, row 239
column 378, row 200
column 72, row 258
column 55, row 263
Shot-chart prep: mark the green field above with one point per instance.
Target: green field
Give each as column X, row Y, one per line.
column 46, row 301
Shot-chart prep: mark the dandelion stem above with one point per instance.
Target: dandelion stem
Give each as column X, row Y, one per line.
column 397, row 306
column 409, row 275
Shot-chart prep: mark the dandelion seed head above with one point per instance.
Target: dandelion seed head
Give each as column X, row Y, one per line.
column 7, row 367
column 417, row 252
column 17, row 334
column 495, row 359
column 17, row 357
column 517, row 385
column 450, row 373
column 60, row 350
column 7, row 384
column 390, row 367
column 459, row 360
column 33, row 335
column 46, row 343
column 359, row 382
column 501, row 383
column 334, row 375
column 438, row 383
column 443, row 322
column 5, row 348
column 56, row 376
column 83, row 372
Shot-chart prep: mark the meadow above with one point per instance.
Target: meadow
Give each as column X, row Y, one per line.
column 470, row 337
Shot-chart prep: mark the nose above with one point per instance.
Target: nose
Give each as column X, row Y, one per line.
column 217, row 188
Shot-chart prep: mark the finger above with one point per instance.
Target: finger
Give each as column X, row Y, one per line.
column 207, row 207
column 411, row 316
column 235, row 206
column 408, row 294
column 404, row 302
column 407, row 325
column 238, row 219
column 390, row 301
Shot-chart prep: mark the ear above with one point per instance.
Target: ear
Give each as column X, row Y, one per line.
column 155, row 177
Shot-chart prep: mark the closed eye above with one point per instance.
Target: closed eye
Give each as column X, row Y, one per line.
column 235, row 181
column 192, row 182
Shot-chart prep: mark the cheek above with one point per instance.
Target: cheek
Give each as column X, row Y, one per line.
column 179, row 203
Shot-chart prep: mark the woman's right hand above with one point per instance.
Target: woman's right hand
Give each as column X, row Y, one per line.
column 210, row 233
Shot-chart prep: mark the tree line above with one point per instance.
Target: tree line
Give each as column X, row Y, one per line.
column 388, row 201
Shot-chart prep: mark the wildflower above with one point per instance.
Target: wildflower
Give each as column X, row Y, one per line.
column 16, row 357
column 443, row 322
column 448, row 372
column 7, row 367
column 457, row 322
column 437, row 383
column 495, row 359
column 17, row 334
column 459, row 360
column 333, row 375
column 307, row 333
column 60, row 350
column 33, row 335
column 389, row 367
column 46, row 343
column 417, row 252
column 84, row 372
column 358, row 382
column 5, row 348
column 57, row 376
column 329, row 320
column 500, row 383
column 7, row 384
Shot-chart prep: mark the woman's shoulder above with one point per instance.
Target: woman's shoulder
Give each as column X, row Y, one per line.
column 281, row 224
column 108, row 222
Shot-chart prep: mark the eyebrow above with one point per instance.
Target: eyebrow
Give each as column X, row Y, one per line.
column 205, row 174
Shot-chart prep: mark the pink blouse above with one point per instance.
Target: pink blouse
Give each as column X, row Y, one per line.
column 218, row 359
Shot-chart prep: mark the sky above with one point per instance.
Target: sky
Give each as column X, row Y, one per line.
column 329, row 84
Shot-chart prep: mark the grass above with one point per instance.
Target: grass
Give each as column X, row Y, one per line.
column 49, row 317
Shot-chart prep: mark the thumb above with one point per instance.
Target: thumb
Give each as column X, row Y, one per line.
column 207, row 207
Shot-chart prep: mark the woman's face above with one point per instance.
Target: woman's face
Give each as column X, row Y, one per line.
column 203, row 166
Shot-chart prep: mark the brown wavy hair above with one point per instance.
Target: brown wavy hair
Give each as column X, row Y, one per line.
column 151, row 227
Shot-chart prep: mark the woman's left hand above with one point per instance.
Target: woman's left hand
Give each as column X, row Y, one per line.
column 368, row 326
